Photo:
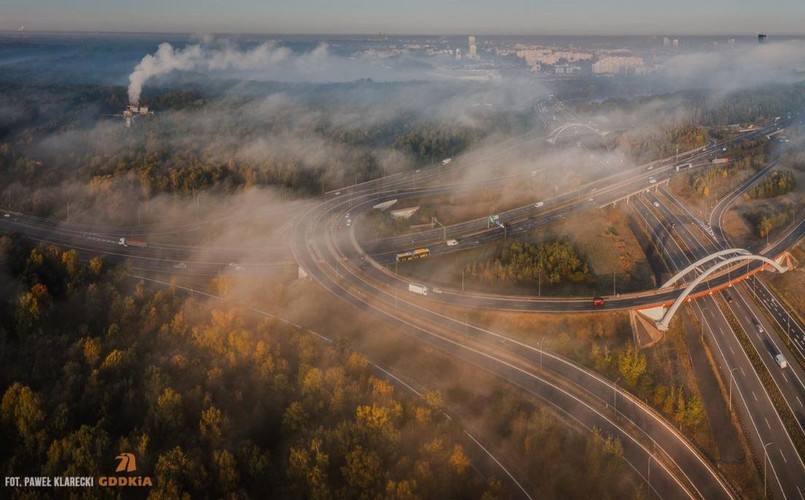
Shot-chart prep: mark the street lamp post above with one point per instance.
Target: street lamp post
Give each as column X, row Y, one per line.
column 539, row 344
column 648, row 475
column 614, row 290
column 732, row 379
column 765, row 459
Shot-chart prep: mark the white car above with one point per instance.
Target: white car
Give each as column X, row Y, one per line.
column 539, row 204
column 657, row 204
column 452, row 243
column 180, row 265
column 652, row 180
column 236, row 266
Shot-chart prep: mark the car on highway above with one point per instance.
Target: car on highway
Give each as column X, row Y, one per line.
column 6, row 215
column 236, row 266
column 781, row 360
column 452, row 243
column 539, row 204
column 758, row 325
column 728, row 298
column 657, row 204
column 652, row 180
column 436, row 289
column 180, row 265
column 598, row 301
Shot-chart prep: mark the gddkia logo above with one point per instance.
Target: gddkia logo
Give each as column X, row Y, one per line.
column 127, row 463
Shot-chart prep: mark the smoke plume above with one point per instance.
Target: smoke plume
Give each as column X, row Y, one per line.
column 198, row 57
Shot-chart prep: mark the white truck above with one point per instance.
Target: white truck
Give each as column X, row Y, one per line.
column 417, row 288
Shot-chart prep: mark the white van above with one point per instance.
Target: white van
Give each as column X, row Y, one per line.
column 781, row 360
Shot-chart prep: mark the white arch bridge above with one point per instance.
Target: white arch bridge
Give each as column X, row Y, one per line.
column 722, row 260
column 569, row 126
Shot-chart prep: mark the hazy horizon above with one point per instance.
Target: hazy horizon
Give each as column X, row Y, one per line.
column 720, row 34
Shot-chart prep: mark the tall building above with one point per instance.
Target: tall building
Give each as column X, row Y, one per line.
column 675, row 43
column 761, row 38
column 666, row 43
column 472, row 54
column 458, row 54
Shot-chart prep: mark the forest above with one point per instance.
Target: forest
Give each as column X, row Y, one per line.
column 765, row 221
column 777, row 183
column 212, row 401
column 204, row 141
column 555, row 261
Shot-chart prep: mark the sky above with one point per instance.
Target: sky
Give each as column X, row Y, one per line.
column 546, row 17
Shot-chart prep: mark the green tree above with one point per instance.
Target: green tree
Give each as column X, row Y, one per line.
column 631, row 365
column 21, row 409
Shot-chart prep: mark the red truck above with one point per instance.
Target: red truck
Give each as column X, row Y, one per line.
column 132, row 242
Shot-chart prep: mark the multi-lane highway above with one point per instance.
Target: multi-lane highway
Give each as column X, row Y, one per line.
column 684, row 242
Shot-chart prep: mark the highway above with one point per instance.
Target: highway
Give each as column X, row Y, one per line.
column 685, row 243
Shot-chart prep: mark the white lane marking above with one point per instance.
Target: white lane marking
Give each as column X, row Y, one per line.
column 784, row 377
column 755, row 396
column 767, row 423
column 781, row 454
column 742, row 371
column 800, row 493
column 731, row 350
column 799, row 401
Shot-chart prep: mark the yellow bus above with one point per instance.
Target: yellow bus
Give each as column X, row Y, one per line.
column 419, row 253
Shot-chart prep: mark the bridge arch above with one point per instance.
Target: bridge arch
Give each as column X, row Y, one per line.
column 678, row 276
column 666, row 319
column 556, row 133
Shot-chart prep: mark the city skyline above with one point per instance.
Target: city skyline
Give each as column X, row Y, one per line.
column 418, row 17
